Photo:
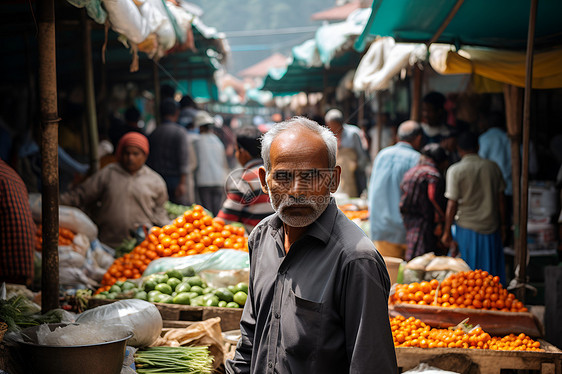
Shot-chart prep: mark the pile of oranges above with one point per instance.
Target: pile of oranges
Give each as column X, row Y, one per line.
column 192, row 233
column 356, row 214
column 411, row 332
column 469, row 289
column 352, row 212
column 66, row 237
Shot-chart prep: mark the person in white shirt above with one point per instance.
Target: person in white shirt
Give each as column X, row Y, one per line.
column 212, row 166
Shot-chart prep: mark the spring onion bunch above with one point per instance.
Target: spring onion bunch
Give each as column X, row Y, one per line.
column 174, row 360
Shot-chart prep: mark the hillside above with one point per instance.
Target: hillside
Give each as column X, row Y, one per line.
column 263, row 16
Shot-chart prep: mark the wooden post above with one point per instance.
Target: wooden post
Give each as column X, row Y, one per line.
column 415, row 110
column 513, row 97
column 89, row 92
column 49, row 155
column 522, row 278
column 380, row 125
column 361, row 109
column 157, row 98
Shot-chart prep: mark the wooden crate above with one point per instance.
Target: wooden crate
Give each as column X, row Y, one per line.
column 487, row 360
column 230, row 317
column 492, row 321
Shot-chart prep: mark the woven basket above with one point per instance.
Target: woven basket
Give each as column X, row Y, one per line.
column 3, row 329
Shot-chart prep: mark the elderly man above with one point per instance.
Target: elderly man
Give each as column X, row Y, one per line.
column 387, row 226
column 129, row 192
column 318, row 291
column 351, row 154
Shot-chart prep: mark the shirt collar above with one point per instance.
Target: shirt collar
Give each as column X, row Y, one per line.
column 319, row 229
column 404, row 144
column 122, row 170
column 470, row 156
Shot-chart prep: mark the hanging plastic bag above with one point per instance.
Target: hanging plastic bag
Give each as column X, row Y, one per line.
column 143, row 318
column 223, row 259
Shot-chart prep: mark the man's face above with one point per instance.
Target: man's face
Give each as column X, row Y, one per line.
column 132, row 159
column 430, row 115
column 299, row 182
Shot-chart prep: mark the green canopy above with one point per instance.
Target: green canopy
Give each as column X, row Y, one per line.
column 300, row 77
column 497, row 24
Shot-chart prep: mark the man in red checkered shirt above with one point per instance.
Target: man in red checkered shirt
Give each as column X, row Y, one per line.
column 17, row 229
column 245, row 201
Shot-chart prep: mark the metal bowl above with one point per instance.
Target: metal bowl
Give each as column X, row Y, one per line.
column 102, row 358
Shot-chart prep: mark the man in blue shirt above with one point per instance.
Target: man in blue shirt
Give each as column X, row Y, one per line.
column 494, row 145
column 387, row 226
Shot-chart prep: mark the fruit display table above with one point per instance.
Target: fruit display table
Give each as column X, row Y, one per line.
column 492, row 321
column 488, row 361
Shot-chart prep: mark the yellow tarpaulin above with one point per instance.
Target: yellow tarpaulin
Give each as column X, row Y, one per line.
column 499, row 65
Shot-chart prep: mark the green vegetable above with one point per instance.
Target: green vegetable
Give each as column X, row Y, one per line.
column 224, row 294
column 240, row 298
column 19, row 312
column 208, row 290
column 174, row 274
column 197, row 289
column 149, row 285
column 115, row 289
column 173, row 282
column 188, row 272
column 242, row 287
column 160, row 278
column 232, row 304
column 189, row 360
column 195, row 281
column 182, row 298
column 163, row 298
column 212, row 301
column 183, row 287
column 142, row 295
column 222, row 304
column 198, row 301
column 128, row 286
column 164, row 288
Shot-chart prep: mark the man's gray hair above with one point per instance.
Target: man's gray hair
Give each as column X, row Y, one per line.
column 327, row 136
column 334, row 115
column 408, row 131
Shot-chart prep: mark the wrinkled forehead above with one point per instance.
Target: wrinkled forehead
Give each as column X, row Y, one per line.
column 298, row 149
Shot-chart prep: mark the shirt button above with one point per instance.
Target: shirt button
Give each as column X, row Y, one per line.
column 270, row 364
column 277, row 315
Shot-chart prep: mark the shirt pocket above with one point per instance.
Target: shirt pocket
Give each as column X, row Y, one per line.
column 301, row 325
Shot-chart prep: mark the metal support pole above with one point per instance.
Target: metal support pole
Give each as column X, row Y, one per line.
column 49, row 155
column 89, row 92
column 522, row 278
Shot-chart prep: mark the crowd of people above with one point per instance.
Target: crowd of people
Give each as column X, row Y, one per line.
column 319, row 287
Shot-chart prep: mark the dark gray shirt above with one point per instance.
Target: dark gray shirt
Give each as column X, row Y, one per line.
column 320, row 308
column 168, row 154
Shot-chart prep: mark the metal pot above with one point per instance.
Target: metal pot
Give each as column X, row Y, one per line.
column 102, row 358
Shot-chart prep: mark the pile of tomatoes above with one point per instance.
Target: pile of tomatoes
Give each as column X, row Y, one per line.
column 194, row 232
column 469, row 289
column 411, row 332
